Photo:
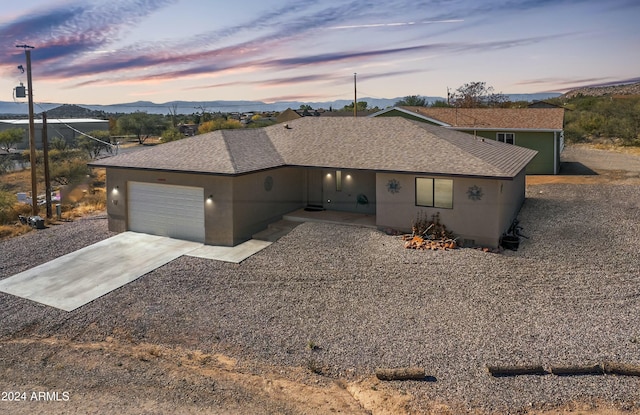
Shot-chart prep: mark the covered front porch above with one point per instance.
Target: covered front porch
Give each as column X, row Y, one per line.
column 289, row 221
column 332, row 216
column 345, row 190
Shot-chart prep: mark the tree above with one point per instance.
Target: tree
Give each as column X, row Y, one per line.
column 172, row 134
column 476, row 95
column 173, row 113
column 69, row 171
column 306, row 107
column 94, row 146
column 141, row 124
column 9, row 138
column 412, row 101
column 362, row 106
column 440, row 104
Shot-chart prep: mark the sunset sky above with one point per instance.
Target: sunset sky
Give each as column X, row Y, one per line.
column 106, row 52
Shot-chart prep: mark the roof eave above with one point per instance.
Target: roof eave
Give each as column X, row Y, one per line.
column 413, row 114
column 391, row 171
column 537, row 130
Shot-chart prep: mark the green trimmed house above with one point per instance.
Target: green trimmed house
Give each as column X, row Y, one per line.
column 540, row 129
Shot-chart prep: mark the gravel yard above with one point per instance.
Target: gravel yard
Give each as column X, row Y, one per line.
column 339, row 302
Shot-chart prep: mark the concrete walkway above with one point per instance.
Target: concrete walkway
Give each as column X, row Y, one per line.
column 75, row 279
column 234, row 254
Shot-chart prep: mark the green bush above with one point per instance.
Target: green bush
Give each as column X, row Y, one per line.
column 58, row 143
column 6, row 164
column 7, row 200
column 171, row 134
column 69, row 171
column 56, row 155
column 615, row 118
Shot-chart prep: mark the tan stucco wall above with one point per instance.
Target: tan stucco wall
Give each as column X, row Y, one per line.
column 255, row 206
column 242, row 206
column 513, row 195
column 479, row 222
column 218, row 214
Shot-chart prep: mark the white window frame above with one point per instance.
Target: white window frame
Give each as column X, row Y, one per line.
column 509, row 138
column 434, row 200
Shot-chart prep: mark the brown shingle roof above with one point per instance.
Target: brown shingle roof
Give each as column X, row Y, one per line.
column 194, row 154
column 495, row 118
column 385, row 143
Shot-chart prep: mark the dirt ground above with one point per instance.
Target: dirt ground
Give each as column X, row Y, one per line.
column 115, row 378
column 64, row 375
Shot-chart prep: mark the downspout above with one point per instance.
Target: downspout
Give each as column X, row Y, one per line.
column 555, row 152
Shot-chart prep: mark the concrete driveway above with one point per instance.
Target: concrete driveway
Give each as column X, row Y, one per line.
column 80, row 277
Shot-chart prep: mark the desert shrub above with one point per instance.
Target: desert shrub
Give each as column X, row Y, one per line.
column 98, row 178
column 22, row 209
column 10, row 208
column 616, row 118
column 26, row 157
column 573, row 133
column 58, row 143
column 6, row 164
column 92, row 203
column 56, row 155
column 7, row 231
column 7, row 200
column 218, row 124
column 430, row 227
column 171, row 134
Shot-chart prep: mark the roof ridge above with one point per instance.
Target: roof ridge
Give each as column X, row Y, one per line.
column 232, row 158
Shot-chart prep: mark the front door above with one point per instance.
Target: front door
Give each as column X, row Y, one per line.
column 314, row 188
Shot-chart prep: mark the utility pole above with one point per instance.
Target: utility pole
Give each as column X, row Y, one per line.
column 32, row 133
column 45, row 153
column 355, row 97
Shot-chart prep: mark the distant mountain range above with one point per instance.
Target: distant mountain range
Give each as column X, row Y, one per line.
column 598, row 91
column 190, row 107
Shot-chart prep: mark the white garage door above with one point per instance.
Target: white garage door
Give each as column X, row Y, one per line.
column 167, row 210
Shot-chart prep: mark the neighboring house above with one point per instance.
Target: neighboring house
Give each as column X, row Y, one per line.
column 222, row 187
column 67, row 128
column 287, row 115
column 189, row 130
column 543, row 104
column 290, row 115
column 540, row 129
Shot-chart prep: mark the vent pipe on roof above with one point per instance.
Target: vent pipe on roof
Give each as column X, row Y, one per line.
column 355, row 97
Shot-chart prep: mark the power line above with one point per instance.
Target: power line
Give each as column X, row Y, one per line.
column 80, row 132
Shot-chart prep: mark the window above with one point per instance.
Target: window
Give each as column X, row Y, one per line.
column 338, row 180
column 509, row 138
column 434, row 192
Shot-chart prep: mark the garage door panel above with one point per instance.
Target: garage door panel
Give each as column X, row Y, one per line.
column 167, row 210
